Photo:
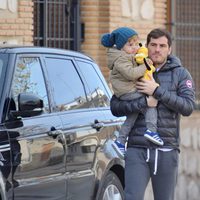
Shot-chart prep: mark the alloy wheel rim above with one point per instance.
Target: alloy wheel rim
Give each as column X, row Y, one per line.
column 112, row 193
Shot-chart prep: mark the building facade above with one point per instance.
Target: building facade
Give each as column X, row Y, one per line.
column 102, row 16
column 16, row 22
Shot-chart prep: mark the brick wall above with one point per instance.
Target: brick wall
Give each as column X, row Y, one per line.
column 95, row 15
column 17, row 26
column 101, row 16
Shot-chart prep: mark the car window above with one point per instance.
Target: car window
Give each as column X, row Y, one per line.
column 97, row 93
column 3, row 67
column 28, row 78
column 67, row 87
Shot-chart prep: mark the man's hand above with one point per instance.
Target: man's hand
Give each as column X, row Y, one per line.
column 151, row 101
column 147, row 86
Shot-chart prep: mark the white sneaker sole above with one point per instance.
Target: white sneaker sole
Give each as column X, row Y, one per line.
column 154, row 140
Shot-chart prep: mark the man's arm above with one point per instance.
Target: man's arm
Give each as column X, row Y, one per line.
column 184, row 100
column 123, row 108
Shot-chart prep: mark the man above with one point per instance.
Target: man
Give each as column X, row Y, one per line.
column 172, row 92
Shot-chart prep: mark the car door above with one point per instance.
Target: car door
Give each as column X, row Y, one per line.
column 100, row 94
column 37, row 156
column 81, row 126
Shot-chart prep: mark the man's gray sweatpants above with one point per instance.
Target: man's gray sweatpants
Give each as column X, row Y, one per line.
column 143, row 164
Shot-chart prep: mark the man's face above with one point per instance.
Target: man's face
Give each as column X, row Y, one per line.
column 158, row 50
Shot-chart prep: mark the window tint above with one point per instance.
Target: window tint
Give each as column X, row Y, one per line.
column 97, row 93
column 3, row 67
column 67, row 87
column 28, row 78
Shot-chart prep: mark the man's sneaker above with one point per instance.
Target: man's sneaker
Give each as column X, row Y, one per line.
column 153, row 137
column 119, row 147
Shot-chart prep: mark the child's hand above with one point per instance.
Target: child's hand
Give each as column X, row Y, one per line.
column 149, row 61
column 149, row 64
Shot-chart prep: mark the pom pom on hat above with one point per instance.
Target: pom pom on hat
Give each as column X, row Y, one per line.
column 118, row 37
column 107, row 40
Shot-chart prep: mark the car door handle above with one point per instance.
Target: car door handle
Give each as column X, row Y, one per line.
column 54, row 133
column 97, row 125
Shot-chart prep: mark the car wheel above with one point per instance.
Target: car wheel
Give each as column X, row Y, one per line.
column 112, row 188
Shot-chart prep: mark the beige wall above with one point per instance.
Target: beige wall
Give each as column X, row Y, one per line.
column 16, row 22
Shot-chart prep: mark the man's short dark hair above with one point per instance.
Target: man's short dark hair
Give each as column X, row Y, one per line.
column 157, row 33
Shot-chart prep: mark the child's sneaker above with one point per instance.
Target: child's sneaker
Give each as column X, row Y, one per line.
column 119, row 147
column 153, row 137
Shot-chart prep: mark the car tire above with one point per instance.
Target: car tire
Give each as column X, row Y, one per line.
column 111, row 188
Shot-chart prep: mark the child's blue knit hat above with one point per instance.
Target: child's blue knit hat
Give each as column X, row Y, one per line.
column 118, row 37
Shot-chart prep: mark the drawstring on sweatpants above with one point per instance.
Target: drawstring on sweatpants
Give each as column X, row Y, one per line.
column 148, row 155
column 155, row 161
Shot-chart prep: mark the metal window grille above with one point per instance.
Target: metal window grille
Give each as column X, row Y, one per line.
column 186, row 31
column 57, row 24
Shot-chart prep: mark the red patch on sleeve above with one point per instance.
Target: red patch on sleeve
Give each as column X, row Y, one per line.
column 189, row 83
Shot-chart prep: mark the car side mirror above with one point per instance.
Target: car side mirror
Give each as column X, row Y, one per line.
column 29, row 105
column 29, row 102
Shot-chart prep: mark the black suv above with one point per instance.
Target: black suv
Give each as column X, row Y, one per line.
column 56, row 129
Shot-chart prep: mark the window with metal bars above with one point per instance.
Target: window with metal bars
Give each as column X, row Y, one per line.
column 185, row 26
column 57, row 24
